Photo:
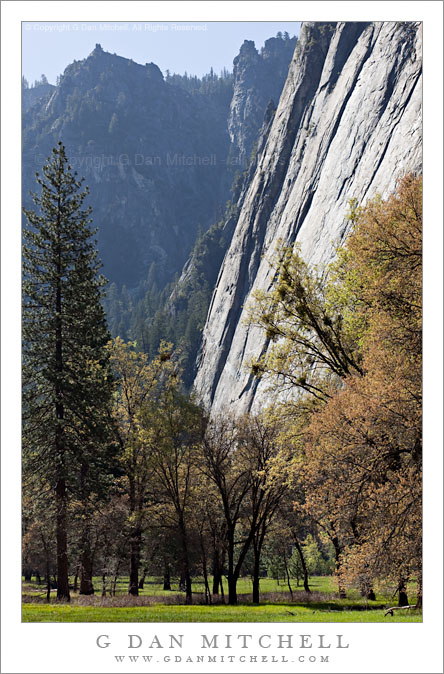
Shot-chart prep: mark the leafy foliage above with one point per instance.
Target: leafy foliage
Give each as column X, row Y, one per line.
column 368, row 436
column 350, row 341
column 143, row 480
column 307, row 333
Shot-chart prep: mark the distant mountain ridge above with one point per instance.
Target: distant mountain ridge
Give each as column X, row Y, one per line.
column 155, row 152
column 126, row 131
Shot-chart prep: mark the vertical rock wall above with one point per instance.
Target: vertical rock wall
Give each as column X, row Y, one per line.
column 348, row 125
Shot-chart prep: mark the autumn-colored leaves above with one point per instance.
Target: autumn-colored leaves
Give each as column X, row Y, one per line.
column 351, row 341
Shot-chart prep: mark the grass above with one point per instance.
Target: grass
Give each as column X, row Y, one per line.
column 156, row 605
column 161, row 613
column 154, row 587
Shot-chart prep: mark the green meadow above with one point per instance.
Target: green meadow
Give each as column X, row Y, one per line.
column 156, row 605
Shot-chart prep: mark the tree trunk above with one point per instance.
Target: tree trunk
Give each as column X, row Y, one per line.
column 27, row 574
column 185, row 563
column 48, row 581
column 256, row 579
column 86, row 563
column 341, row 588
column 217, row 575
column 419, row 591
column 402, row 589
column 217, row 578
column 142, row 578
column 367, row 591
column 103, row 584
column 207, row 587
column 232, row 591
column 86, row 583
column 205, row 572
column 76, row 579
column 135, row 544
column 62, row 546
column 86, row 554
column 234, row 571
column 231, row 578
column 47, row 568
column 303, row 564
column 188, row 586
column 166, row 577
column 288, row 577
column 113, row 585
column 366, row 585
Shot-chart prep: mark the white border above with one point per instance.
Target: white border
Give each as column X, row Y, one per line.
column 71, row 647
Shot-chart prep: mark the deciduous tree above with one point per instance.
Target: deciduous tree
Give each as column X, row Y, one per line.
column 139, row 385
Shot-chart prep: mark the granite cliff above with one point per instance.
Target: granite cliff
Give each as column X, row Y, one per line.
column 348, row 125
column 258, row 78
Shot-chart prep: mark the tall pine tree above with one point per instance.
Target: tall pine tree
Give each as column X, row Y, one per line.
column 67, row 386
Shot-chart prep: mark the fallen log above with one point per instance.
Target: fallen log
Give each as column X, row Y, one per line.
column 396, row 608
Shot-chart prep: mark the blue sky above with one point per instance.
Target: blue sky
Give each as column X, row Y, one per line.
column 194, row 47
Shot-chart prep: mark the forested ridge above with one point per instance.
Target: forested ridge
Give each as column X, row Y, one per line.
column 126, row 474
column 139, row 137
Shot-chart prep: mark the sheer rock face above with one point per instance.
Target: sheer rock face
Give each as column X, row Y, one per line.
column 348, row 125
column 258, row 78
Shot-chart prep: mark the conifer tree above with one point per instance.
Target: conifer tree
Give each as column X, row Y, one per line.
column 67, row 385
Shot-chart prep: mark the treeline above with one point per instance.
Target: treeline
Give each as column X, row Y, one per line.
column 37, row 83
column 185, row 497
column 174, row 312
column 126, row 474
column 147, row 316
column 219, row 87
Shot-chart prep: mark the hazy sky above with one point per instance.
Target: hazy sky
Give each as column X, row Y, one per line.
column 48, row 47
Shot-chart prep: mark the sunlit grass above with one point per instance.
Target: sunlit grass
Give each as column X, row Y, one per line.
column 154, row 586
column 157, row 605
column 161, row 613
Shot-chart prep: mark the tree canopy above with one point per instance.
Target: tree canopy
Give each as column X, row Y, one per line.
column 139, row 478
column 349, row 340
